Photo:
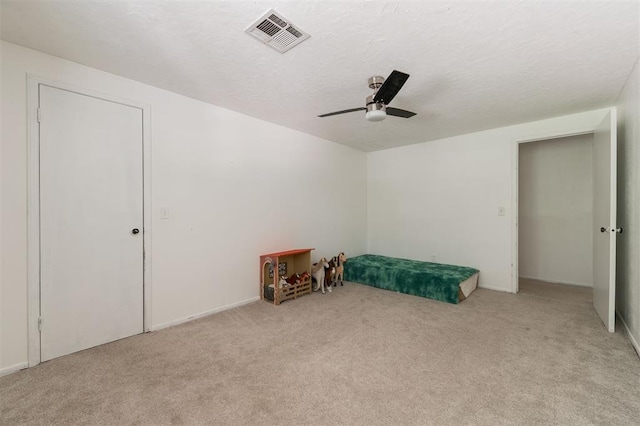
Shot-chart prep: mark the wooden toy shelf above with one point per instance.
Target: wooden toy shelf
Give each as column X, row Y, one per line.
column 284, row 263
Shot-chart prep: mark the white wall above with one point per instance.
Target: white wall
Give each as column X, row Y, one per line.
column 235, row 187
column 555, row 210
column 628, row 268
column 442, row 198
column 217, row 171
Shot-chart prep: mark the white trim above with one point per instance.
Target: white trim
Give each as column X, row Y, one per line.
column 205, row 314
column 613, row 213
column 33, row 222
column 33, row 206
column 514, row 188
column 13, row 368
column 147, row 216
column 515, row 155
column 633, row 340
column 556, row 282
column 500, row 289
column 556, row 135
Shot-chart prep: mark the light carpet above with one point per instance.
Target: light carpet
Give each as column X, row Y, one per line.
column 357, row 356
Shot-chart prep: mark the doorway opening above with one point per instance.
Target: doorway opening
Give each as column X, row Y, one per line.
column 604, row 228
column 555, row 217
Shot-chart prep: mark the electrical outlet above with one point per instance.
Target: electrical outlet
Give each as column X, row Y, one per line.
column 164, row 213
column 433, row 257
column 501, row 211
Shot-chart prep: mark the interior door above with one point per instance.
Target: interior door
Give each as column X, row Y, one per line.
column 604, row 216
column 91, row 201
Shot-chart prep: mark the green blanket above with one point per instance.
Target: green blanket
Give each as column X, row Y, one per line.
column 433, row 280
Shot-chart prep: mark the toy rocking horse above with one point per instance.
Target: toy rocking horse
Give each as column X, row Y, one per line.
column 340, row 260
column 318, row 274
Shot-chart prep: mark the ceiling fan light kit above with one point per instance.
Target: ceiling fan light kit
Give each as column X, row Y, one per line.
column 376, row 115
column 384, row 92
column 375, row 111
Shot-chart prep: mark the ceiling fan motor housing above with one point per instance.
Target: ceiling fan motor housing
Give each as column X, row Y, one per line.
column 374, row 106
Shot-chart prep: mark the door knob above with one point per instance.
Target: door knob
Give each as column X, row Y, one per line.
column 134, row 231
column 618, row 230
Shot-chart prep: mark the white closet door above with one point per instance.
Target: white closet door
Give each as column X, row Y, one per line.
column 604, row 217
column 91, row 200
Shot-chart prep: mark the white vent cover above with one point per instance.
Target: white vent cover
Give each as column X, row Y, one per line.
column 276, row 31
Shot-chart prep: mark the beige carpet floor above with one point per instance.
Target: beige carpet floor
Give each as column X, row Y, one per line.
column 357, row 356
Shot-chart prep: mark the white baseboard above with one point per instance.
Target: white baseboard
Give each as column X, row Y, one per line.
column 556, row 282
column 634, row 342
column 487, row 287
column 13, row 368
column 203, row 314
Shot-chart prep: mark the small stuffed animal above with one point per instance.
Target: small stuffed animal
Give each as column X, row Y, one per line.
column 283, row 282
column 294, row 279
column 304, row 276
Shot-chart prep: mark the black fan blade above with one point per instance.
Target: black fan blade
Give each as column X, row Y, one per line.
column 390, row 87
column 343, row 111
column 399, row 112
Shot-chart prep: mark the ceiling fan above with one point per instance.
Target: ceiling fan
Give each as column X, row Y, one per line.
column 384, row 92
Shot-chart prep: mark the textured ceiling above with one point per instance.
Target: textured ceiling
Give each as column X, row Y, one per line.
column 474, row 65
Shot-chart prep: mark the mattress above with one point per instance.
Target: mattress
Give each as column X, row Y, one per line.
column 447, row 283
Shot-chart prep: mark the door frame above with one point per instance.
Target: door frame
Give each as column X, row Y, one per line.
column 515, row 159
column 33, row 204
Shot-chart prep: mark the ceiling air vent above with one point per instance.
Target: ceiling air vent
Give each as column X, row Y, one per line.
column 276, row 31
